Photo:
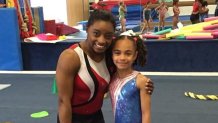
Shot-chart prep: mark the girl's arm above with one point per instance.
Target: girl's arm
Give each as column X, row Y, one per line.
column 158, row 7
column 166, row 7
column 65, row 74
column 207, row 10
column 123, row 8
column 143, row 14
column 145, row 99
column 150, row 18
column 176, row 10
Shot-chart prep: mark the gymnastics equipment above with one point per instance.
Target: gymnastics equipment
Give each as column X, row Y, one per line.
column 163, row 31
column 180, row 37
column 54, row 87
column 21, row 21
column 150, row 36
column 40, row 114
column 198, row 37
column 176, row 33
column 201, row 96
column 10, row 53
column 166, row 27
column 179, row 25
column 211, row 31
column 28, row 18
column 191, row 28
column 50, row 26
column 215, row 34
column 210, row 19
column 198, row 34
column 211, row 27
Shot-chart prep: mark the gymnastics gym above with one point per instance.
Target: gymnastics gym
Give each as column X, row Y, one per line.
column 182, row 61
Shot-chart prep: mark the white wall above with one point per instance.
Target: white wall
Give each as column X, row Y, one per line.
column 56, row 9
column 53, row 9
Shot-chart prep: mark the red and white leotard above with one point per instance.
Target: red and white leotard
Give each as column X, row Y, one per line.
column 84, row 86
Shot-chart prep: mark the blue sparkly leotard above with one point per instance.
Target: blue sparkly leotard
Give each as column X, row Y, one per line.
column 125, row 98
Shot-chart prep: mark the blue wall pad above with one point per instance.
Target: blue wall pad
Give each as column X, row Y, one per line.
column 10, row 43
column 163, row 55
column 41, row 19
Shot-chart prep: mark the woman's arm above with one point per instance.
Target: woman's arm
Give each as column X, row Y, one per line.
column 67, row 67
column 145, row 99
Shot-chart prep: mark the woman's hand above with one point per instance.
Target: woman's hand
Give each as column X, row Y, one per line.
column 149, row 86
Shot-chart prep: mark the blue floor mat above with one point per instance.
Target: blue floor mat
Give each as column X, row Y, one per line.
column 32, row 93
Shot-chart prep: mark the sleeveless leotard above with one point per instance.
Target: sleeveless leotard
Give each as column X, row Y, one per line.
column 125, row 98
column 84, row 86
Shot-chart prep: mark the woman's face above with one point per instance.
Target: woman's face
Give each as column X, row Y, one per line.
column 99, row 36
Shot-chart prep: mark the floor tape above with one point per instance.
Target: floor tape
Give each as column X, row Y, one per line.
column 3, row 86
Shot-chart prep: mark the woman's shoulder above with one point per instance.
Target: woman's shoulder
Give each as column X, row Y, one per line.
column 68, row 55
column 70, row 52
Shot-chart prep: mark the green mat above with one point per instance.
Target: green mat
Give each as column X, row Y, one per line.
column 54, row 87
column 40, row 114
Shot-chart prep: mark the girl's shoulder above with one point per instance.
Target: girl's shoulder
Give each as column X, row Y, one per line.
column 141, row 80
column 147, row 9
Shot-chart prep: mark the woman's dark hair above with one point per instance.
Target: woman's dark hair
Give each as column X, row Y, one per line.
column 101, row 15
column 139, row 46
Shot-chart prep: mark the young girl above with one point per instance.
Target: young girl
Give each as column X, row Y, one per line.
column 195, row 12
column 162, row 10
column 204, row 11
column 122, row 12
column 176, row 12
column 130, row 102
column 147, row 17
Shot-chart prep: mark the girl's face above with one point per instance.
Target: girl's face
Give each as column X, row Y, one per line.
column 148, row 4
column 121, row 3
column 124, row 54
column 99, row 36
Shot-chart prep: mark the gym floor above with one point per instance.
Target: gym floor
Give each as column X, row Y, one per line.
column 31, row 93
